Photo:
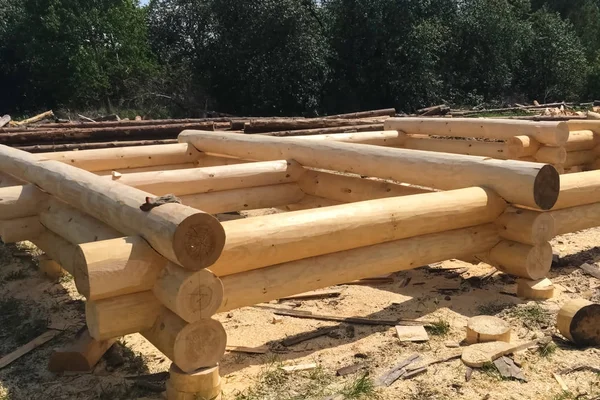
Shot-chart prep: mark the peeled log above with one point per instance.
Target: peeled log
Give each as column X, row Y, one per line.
column 73, row 225
column 577, row 189
column 526, row 226
column 192, row 238
column 309, row 202
column 8, row 181
column 56, row 248
column 485, row 328
column 253, row 198
column 126, row 157
column 214, row 179
column 385, row 112
column 191, row 295
column 122, row 315
column 522, row 260
column 467, row 147
column 522, row 146
column 581, row 140
column 302, row 234
column 379, row 138
column 21, row 201
column 581, row 125
column 99, row 134
column 518, row 182
column 116, row 267
column 265, row 284
column 45, row 148
column 575, row 219
column 350, row 189
column 20, row 229
column 583, row 157
column 553, row 133
column 189, row 346
column 551, row 155
column 578, row 321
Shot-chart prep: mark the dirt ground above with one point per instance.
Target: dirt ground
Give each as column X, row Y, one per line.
column 447, row 294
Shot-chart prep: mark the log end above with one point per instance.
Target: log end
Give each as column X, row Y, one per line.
column 485, row 328
column 205, row 382
column 539, row 261
column 199, row 241
column 541, row 289
column 198, row 345
column 579, row 321
column 546, row 187
column 200, row 296
column 562, row 134
column 543, row 228
column 80, row 273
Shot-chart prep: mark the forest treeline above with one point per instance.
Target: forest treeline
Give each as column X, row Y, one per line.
column 294, row 57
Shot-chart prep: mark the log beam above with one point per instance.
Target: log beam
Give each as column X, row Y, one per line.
column 20, row 229
column 184, row 235
column 526, row 226
column 21, row 201
column 467, row 147
column 265, row 284
column 522, row 260
column 576, row 218
column 552, row 133
column 518, row 182
column 578, row 189
column 57, row 248
column 522, row 146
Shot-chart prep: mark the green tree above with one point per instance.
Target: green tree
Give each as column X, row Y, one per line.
column 554, row 65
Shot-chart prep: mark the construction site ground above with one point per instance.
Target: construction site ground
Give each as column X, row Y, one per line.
column 31, row 304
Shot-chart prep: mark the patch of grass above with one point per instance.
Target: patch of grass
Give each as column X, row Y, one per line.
column 548, row 350
column 531, row 315
column 361, row 388
column 16, row 275
column 565, row 396
column 493, row 308
column 438, row 328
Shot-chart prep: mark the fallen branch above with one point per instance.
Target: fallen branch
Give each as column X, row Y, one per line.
column 349, row 320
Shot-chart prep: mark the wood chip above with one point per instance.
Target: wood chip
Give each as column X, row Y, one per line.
column 299, row 367
column 249, row 350
column 468, row 374
column 508, row 369
column 592, row 270
column 350, row 369
column 561, row 382
column 412, row 333
column 21, row 351
column 393, row 374
column 414, row 372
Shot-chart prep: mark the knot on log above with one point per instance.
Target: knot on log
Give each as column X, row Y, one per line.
column 152, row 202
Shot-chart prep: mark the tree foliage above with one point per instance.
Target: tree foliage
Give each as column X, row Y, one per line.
column 294, row 57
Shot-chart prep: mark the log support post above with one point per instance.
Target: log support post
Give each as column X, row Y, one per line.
column 201, row 384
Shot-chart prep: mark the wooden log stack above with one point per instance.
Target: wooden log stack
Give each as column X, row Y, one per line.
column 166, row 271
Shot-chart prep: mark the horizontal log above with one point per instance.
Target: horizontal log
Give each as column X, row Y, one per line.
column 253, row 198
column 385, row 112
column 21, row 201
column 287, row 124
column 327, row 131
column 552, row 133
column 125, row 158
column 57, row 248
column 122, row 315
column 214, row 179
column 265, row 284
column 70, row 135
column 526, row 226
column 8, row 181
column 582, row 124
column 124, row 123
column 190, row 346
column 182, row 234
column 577, row 218
column 350, row 189
column 583, row 157
column 528, row 184
column 522, row 260
column 551, row 155
column 20, row 229
column 581, row 140
column 116, row 174
column 578, row 189
column 522, row 146
column 468, row 147
column 309, row 202
column 378, row 138
column 42, row 148
column 302, row 234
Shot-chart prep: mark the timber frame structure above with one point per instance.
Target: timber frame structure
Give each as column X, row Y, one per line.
column 358, row 205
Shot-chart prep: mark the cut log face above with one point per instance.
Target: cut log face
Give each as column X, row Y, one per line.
column 477, row 355
column 579, row 321
column 531, row 262
column 205, row 382
column 525, row 226
column 485, row 328
column 541, row 289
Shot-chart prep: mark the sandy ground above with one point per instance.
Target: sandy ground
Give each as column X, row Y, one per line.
column 30, row 303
